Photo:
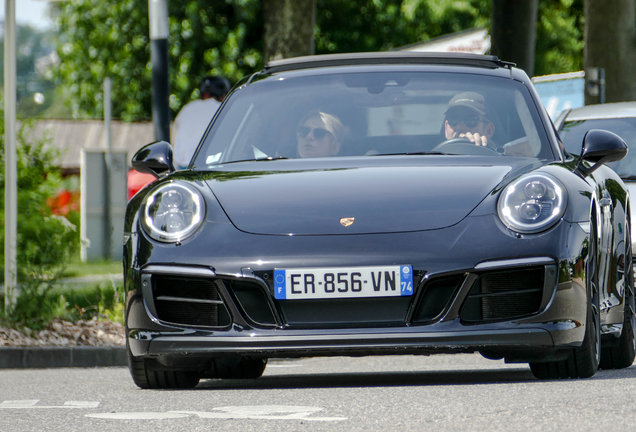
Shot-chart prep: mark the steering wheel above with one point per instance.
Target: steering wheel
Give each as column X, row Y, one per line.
column 464, row 146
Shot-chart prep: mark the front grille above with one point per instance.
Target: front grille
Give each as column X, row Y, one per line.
column 505, row 295
column 188, row 301
column 187, row 288
column 188, row 313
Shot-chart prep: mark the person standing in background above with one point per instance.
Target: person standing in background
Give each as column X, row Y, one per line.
column 194, row 118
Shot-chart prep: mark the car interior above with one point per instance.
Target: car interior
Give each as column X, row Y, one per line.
column 382, row 114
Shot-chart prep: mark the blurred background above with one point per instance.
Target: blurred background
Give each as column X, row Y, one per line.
column 67, row 48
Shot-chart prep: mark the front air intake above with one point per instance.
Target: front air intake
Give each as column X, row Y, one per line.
column 505, row 295
column 188, row 301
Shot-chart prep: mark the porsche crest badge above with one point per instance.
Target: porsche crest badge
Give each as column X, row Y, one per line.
column 345, row 222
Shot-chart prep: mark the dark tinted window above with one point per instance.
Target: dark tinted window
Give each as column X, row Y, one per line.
column 381, row 112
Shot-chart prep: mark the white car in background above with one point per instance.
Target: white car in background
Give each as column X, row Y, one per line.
column 619, row 118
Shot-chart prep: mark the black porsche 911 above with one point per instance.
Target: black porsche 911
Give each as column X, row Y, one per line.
column 376, row 204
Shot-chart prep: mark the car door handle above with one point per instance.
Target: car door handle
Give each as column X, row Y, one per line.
column 606, row 202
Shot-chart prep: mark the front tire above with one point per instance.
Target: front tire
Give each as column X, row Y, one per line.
column 148, row 379
column 622, row 355
column 583, row 361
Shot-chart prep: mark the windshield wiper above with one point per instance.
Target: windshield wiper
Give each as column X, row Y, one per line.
column 269, row 158
column 409, row 153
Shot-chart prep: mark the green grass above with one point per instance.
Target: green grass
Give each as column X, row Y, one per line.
column 78, row 268
column 75, row 301
column 104, row 300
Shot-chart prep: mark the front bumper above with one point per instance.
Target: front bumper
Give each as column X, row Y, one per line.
column 524, row 344
column 535, row 312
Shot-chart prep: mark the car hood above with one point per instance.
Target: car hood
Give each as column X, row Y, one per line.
column 379, row 199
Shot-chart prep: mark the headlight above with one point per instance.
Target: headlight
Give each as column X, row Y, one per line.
column 532, row 203
column 172, row 212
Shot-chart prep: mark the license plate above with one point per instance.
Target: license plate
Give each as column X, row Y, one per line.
column 321, row 283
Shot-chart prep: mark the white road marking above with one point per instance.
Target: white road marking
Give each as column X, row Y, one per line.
column 32, row 404
column 81, row 404
column 266, row 412
column 137, row 416
column 263, row 412
column 269, row 366
column 19, row 403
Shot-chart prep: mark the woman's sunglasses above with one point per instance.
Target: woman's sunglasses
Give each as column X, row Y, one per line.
column 319, row 133
column 470, row 120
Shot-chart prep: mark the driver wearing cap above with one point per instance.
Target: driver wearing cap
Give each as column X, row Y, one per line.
column 466, row 118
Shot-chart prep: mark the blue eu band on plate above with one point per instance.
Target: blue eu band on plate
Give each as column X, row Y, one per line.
column 358, row 282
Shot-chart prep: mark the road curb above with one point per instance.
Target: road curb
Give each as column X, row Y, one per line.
column 62, row 357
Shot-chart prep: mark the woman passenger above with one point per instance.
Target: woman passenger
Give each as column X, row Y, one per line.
column 319, row 135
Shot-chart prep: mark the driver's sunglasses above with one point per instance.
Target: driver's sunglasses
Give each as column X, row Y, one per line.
column 319, row 133
column 470, row 120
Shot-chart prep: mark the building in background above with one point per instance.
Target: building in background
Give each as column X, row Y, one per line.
column 475, row 41
column 559, row 92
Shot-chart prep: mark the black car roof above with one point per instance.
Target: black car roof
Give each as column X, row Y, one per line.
column 390, row 57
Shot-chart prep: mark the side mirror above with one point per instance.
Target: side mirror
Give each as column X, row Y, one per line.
column 154, row 158
column 600, row 147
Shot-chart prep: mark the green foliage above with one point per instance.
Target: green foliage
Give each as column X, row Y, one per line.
column 39, row 231
column 45, row 242
column 371, row 25
column 380, row 25
column 105, row 299
column 560, row 29
column 78, row 268
column 70, row 303
column 111, row 39
column 100, row 39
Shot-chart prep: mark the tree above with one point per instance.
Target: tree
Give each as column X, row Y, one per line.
column 101, row 39
column 380, row 25
column 559, row 46
column 289, row 28
column 610, row 43
column 513, row 32
column 226, row 37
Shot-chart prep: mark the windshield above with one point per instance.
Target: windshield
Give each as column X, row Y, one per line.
column 572, row 133
column 375, row 113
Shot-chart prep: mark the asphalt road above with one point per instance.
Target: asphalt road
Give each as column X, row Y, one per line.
column 440, row 393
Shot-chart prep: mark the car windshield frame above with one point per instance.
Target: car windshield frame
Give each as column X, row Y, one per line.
column 242, row 125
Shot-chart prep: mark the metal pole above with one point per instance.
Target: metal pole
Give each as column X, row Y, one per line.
column 158, row 17
column 601, row 85
column 10, row 157
column 108, row 222
column 107, row 111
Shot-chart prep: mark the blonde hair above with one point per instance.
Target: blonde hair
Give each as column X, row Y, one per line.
column 331, row 122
